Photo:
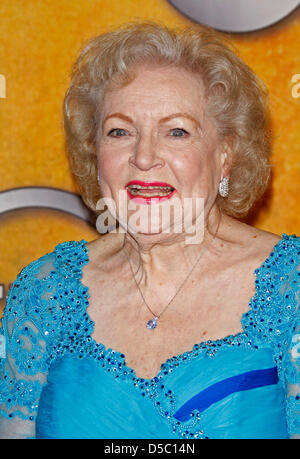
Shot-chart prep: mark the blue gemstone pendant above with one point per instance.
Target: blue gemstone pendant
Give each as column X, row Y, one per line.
column 151, row 324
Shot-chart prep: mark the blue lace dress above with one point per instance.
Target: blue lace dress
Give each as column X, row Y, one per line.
column 57, row 382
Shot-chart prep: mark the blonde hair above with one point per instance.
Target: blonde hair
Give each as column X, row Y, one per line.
column 236, row 101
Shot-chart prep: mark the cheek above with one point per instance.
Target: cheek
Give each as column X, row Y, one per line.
column 197, row 172
column 110, row 165
column 192, row 167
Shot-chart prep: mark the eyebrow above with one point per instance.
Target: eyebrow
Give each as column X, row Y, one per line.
column 118, row 115
column 180, row 115
column 161, row 121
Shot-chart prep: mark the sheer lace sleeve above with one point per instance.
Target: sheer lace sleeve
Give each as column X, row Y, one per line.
column 293, row 377
column 291, row 362
column 23, row 349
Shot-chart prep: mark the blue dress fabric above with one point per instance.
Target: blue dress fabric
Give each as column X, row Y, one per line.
column 57, row 382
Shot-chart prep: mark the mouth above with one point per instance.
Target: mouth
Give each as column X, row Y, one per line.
column 149, row 192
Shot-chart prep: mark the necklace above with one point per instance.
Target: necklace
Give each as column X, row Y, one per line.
column 151, row 324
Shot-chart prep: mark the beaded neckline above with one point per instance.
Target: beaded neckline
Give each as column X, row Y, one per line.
column 265, row 323
column 118, row 358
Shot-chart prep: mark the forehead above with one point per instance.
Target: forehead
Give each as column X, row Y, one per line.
column 158, row 88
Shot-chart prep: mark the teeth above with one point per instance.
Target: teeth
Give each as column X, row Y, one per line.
column 148, row 193
column 138, row 187
column 139, row 190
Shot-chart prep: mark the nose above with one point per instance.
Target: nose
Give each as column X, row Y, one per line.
column 146, row 154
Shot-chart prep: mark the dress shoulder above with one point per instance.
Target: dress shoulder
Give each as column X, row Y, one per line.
column 39, row 287
column 34, row 321
column 273, row 319
column 275, row 304
column 70, row 257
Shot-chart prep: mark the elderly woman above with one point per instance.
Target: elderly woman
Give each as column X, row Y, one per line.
column 178, row 327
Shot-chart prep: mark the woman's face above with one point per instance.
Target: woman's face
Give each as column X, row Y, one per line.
column 157, row 146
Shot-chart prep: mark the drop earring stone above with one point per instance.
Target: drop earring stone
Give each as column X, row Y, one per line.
column 223, row 187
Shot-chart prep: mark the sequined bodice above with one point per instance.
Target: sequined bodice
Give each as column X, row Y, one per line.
column 201, row 393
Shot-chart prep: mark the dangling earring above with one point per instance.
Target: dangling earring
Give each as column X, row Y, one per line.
column 223, row 187
column 98, row 178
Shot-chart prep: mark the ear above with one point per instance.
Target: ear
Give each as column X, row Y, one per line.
column 226, row 156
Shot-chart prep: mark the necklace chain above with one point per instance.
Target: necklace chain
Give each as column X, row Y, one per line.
column 151, row 324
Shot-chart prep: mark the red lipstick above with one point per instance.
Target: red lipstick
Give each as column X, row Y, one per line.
column 149, row 192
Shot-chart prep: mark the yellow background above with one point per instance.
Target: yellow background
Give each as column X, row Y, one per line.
column 39, row 42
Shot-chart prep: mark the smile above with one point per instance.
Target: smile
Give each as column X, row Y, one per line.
column 149, row 192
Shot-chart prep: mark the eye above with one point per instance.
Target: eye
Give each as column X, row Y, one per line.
column 178, row 132
column 117, row 132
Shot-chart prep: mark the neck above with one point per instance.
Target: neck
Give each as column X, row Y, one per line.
column 153, row 253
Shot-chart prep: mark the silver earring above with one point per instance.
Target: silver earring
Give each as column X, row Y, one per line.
column 223, row 187
column 98, row 178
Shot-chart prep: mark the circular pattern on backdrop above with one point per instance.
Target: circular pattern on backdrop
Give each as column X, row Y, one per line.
column 36, row 197
column 236, row 15
column 44, row 197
